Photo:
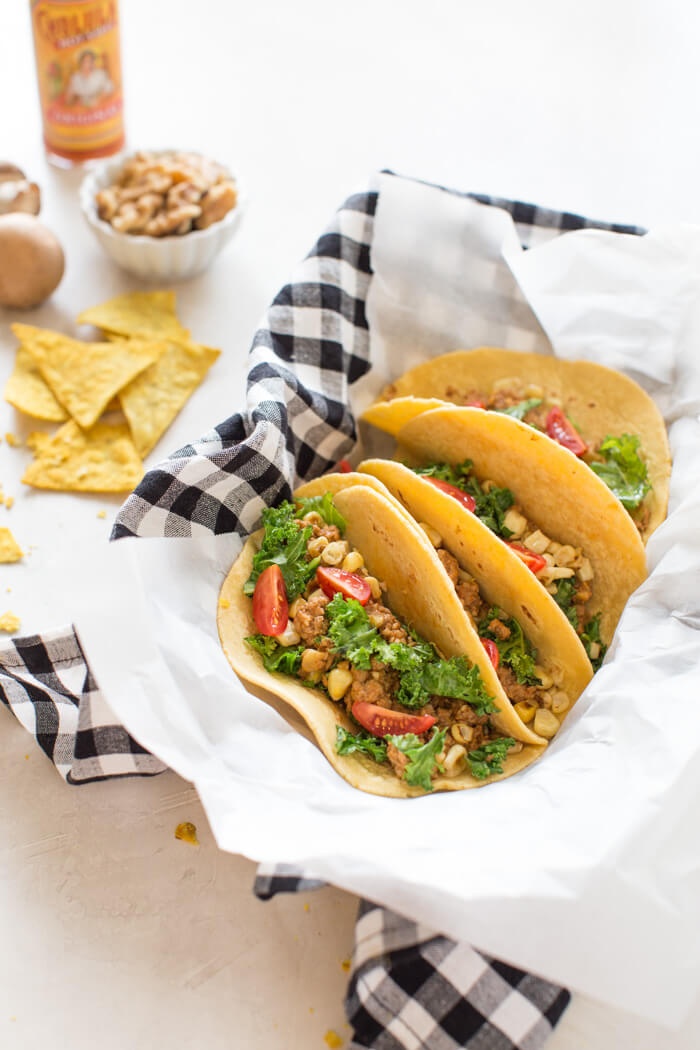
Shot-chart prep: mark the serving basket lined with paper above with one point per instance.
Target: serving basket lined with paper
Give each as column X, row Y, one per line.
column 365, row 306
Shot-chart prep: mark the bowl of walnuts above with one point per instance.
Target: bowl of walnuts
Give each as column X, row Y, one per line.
column 162, row 215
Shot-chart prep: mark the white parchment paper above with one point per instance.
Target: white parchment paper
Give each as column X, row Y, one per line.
column 584, row 868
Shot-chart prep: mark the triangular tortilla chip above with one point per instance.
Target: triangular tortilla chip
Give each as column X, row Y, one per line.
column 27, row 391
column 102, row 459
column 9, row 548
column 138, row 314
column 85, row 376
column 152, row 400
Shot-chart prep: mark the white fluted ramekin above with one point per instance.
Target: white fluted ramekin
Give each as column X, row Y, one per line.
column 155, row 258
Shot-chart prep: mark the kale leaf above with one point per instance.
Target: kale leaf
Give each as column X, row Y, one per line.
column 276, row 657
column 284, row 544
column 591, row 635
column 346, row 743
column 351, row 632
column 453, row 678
column 491, row 506
column 488, row 758
column 622, row 469
column 515, row 651
column 422, row 757
column 455, row 475
column 521, row 409
column 564, row 597
column 324, row 506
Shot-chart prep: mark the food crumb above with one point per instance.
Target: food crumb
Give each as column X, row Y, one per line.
column 332, row 1039
column 306, row 907
column 224, row 603
column 9, row 548
column 9, row 502
column 187, row 832
column 12, row 440
column 102, row 514
column 9, row 623
column 345, row 964
column 311, row 1009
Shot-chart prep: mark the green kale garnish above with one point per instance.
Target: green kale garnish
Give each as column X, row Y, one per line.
column 491, row 506
column 516, row 651
column 622, row 469
column 346, row 743
column 324, row 506
column 422, row 757
column 422, row 673
column 284, row 544
column 590, row 635
column 521, row 409
column 456, row 475
column 453, row 678
column 564, row 597
column 276, row 657
column 487, row 759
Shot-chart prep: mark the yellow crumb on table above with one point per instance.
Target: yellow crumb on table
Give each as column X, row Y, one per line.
column 9, row 623
column 12, row 440
column 306, row 907
column 187, row 832
column 102, row 514
column 345, row 964
column 332, row 1039
column 9, row 548
column 9, row 502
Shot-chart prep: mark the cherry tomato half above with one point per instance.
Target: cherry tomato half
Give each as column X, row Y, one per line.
column 492, row 650
column 344, row 467
column 270, row 605
column 380, row 721
column 534, row 562
column 467, row 501
column 474, row 404
column 562, row 430
column 349, row 584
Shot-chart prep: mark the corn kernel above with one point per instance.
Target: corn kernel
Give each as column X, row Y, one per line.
column 374, row 587
column 545, row 679
column 353, row 561
column 526, row 711
column 317, row 546
column 515, row 521
column 546, row 724
column 338, row 683
column 289, row 636
column 536, row 542
column 585, row 572
column 312, row 660
column 335, row 552
column 560, row 702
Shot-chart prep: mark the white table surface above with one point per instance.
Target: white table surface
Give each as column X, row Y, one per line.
column 115, row 934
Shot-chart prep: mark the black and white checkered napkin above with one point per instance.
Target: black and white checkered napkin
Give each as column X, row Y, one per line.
column 409, row 988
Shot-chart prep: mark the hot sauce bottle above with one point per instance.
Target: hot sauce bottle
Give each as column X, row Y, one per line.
column 78, row 65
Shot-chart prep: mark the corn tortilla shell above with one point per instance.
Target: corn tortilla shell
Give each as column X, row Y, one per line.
column 151, row 401
column 28, row 392
column 557, row 492
column 504, row 580
column 85, row 376
column 235, row 622
column 138, row 314
column 102, row 459
column 599, row 400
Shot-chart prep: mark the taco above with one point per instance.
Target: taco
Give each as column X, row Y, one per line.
column 551, row 511
column 341, row 608
column 600, row 415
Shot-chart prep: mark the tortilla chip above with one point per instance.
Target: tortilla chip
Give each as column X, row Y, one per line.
column 138, row 314
column 85, row 376
column 37, row 440
column 102, row 459
column 9, row 548
column 28, row 392
column 152, row 400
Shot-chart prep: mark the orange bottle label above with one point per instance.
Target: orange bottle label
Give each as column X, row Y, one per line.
column 80, row 81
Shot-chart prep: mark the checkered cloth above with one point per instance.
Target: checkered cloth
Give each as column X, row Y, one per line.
column 408, row 988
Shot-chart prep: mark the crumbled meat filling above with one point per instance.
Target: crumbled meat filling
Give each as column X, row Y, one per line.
column 515, row 690
column 468, row 594
column 331, row 532
column 398, row 760
column 386, row 623
column 498, row 628
column 449, row 563
column 310, row 620
column 377, row 686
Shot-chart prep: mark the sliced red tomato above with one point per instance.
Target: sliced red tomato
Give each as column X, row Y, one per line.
column 464, row 498
column 475, row 404
column 535, row 562
column 344, row 467
column 338, row 581
column 492, row 650
column 563, row 431
column 381, row 722
column 270, row 605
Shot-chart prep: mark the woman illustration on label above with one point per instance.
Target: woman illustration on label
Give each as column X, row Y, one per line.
column 89, row 82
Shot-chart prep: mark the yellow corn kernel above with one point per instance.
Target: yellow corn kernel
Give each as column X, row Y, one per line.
column 560, row 702
column 313, row 518
column 289, row 636
column 335, row 552
column 338, row 683
column 536, row 542
column 317, row 546
column 353, row 561
column 545, row 724
column 461, row 732
column 526, row 711
column 294, row 607
column 374, row 587
column 533, row 390
column 545, row 679
column 312, row 660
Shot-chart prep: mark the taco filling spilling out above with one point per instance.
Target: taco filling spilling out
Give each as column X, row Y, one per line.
column 563, row 570
column 321, row 619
